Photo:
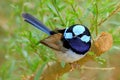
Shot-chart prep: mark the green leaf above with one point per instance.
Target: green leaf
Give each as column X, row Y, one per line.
column 100, row 60
column 63, row 64
column 91, row 53
column 38, row 74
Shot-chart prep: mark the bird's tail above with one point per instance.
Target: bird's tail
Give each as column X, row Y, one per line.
column 35, row 22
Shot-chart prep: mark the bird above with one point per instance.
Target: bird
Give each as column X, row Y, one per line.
column 69, row 44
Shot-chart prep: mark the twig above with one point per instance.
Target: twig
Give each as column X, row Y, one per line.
column 110, row 15
column 56, row 8
column 96, row 18
column 76, row 13
column 97, row 68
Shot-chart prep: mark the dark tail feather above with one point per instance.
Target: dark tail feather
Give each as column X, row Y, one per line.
column 35, row 22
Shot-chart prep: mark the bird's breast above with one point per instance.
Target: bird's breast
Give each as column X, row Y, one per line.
column 69, row 56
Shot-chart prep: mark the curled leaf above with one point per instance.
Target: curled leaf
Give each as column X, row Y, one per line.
column 103, row 43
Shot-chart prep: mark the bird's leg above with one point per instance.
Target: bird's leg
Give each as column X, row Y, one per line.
column 74, row 65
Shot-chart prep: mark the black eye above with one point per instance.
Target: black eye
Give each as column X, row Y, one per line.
column 86, row 32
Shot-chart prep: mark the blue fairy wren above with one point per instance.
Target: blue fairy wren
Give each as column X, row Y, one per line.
column 70, row 44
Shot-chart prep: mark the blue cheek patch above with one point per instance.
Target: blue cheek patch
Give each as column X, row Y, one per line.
column 78, row 29
column 68, row 36
column 85, row 38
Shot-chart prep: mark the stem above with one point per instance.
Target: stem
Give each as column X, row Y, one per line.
column 96, row 18
column 56, row 8
column 111, row 14
column 76, row 14
column 97, row 68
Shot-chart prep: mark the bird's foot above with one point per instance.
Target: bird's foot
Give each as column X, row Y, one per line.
column 74, row 66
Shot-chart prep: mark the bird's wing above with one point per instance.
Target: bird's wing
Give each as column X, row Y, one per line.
column 54, row 42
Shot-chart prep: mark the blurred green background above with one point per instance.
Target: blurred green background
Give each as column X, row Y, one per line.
column 19, row 54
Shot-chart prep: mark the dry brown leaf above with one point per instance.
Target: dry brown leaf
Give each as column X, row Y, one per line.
column 103, row 43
